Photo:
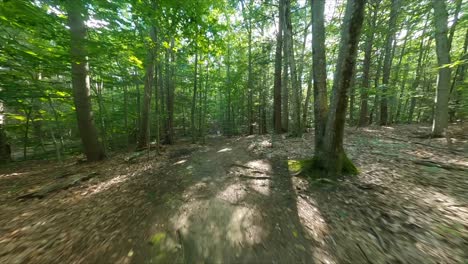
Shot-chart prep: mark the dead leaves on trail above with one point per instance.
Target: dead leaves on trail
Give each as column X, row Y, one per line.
column 408, row 205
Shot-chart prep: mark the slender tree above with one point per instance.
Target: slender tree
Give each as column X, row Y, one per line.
column 80, row 81
column 278, row 61
column 440, row 121
column 319, row 68
column 388, row 61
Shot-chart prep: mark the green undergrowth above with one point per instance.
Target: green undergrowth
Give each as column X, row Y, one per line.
column 314, row 169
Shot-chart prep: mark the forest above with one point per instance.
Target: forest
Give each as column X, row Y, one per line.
column 233, row 131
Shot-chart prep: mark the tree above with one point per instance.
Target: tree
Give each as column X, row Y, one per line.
column 333, row 157
column 319, row 72
column 144, row 132
column 440, row 121
column 278, row 61
column 296, row 90
column 369, row 43
column 388, row 61
column 80, row 81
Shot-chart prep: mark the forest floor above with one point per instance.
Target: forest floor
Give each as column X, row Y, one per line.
column 235, row 201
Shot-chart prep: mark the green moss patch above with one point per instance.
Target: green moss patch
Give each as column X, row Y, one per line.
column 315, row 169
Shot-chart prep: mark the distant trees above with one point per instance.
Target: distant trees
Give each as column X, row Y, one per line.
column 159, row 70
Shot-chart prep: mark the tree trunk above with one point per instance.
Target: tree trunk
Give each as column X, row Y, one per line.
column 457, row 94
column 388, row 61
column 5, row 150
column 458, row 5
column 285, row 89
column 250, row 76
column 363, row 114
column 296, row 90
column 440, row 121
column 334, row 157
column 27, row 112
column 80, row 82
column 319, row 68
column 144, row 132
column 194, row 97
column 417, row 77
column 278, row 61
column 305, row 111
column 170, row 90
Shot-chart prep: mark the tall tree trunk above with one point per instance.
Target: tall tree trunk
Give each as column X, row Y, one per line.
column 80, row 81
column 334, row 156
column 170, row 90
column 417, row 77
column 388, row 61
column 458, row 5
column 5, row 150
column 457, row 94
column 397, row 77
column 278, row 61
column 402, row 91
column 27, row 112
column 144, row 132
column 440, row 122
column 363, row 114
column 285, row 88
column 296, row 90
column 194, row 97
column 250, row 77
column 305, row 110
column 319, row 68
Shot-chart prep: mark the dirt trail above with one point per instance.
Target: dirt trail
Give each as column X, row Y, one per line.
column 234, row 201
column 231, row 207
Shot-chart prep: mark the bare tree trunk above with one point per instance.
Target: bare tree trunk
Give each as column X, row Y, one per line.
column 296, row 90
column 458, row 5
column 440, row 122
column 305, row 111
column 388, row 62
column 319, row 68
column 144, row 132
column 363, row 115
column 194, row 97
column 417, row 77
column 278, row 61
column 334, row 156
column 170, row 90
column 458, row 78
column 80, row 81
column 285, row 89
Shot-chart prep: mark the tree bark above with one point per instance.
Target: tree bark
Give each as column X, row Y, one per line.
column 144, row 132
column 363, row 115
column 335, row 159
column 80, row 81
column 296, row 90
column 194, row 97
column 5, row 150
column 170, row 90
column 388, row 61
column 319, row 68
column 440, row 121
column 278, row 61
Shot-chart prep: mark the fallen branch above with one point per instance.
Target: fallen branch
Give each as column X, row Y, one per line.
column 254, row 178
column 424, row 162
column 431, row 163
column 58, row 186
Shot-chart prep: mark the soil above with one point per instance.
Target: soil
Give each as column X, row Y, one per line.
column 233, row 200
